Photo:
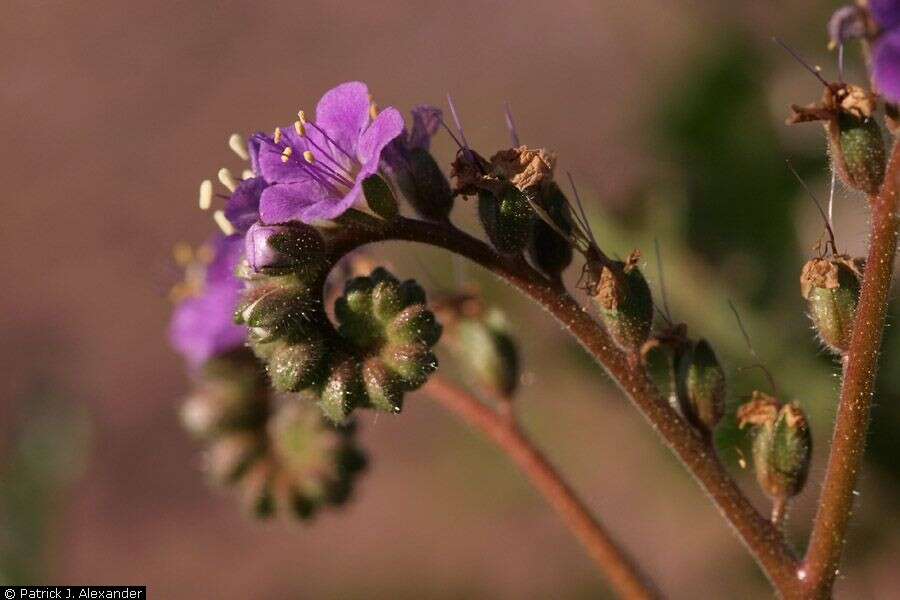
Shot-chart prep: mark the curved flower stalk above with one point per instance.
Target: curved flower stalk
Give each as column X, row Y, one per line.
column 291, row 220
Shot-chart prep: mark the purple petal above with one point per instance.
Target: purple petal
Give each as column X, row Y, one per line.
column 296, row 201
column 271, row 165
column 226, row 256
column 426, row 122
column 260, row 253
column 203, row 327
column 886, row 60
column 253, row 144
column 343, row 112
column 242, row 208
column 885, row 12
column 387, row 126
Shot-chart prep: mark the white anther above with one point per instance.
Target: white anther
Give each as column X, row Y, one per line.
column 206, row 193
column 248, row 174
column 300, row 128
column 302, row 116
column 227, row 179
column 223, row 222
column 277, row 136
column 286, row 154
column 238, row 146
column 309, row 157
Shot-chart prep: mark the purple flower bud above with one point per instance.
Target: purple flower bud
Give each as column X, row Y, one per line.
column 297, row 247
column 260, row 253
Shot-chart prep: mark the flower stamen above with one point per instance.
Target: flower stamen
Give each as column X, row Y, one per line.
column 223, row 222
column 238, row 145
column 227, row 179
column 206, row 194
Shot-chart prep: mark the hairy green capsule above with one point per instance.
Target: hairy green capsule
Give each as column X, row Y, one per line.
column 488, row 351
column 506, row 218
column 700, row 384
column 782, row 445
column 550, row 252
column 625, row 304
column 831, row 288
column 861, row 152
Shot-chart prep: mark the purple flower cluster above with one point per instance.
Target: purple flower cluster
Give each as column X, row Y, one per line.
column 310, row 171
column 886, row 48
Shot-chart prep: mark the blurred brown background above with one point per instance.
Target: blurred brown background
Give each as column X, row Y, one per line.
column 112, row 112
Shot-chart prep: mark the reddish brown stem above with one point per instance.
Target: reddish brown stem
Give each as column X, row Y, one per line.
column 621, row 571
column 765, row 543
column 861, row 367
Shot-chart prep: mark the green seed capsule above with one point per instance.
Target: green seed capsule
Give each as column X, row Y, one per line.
column 625, row 304
column 299, row 250
column 701, row 386
column 506, row 218
column 782, row 445
column 547, row 249
column 862, row 152
column 831, row 288
column 488, row 351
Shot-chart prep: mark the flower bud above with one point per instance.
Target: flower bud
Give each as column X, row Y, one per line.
column 506, row 217
column 782, row 445
column 274, row 311
column 831, row 288
column 701, row 386
column 384, row 387
column 413, row 363
column 424, row 185
column 297, row 365
column 488, row 351
column 229, row 396
column 861, row 152
column 379, row 197
column 548, row 250
column 231, row 455
column 279, row 249
column 625, row 304
column 343, row 391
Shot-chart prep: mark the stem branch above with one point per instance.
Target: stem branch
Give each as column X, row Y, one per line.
column 763, row 540
column 621, row 571
column 861, row 367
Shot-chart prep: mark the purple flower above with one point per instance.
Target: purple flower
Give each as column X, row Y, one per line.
column 316, row 168
column 886, row 48
column 202, row 326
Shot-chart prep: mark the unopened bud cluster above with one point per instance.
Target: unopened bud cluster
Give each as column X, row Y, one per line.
column 278, row 451
column 380, row 350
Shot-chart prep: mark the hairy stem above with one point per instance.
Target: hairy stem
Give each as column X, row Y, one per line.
column 621, row 571
column 861, row 368
column 764, row 541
